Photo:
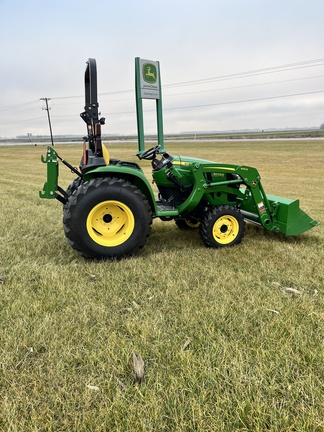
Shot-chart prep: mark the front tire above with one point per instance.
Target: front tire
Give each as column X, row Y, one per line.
column 222, row 226
column 107, row 218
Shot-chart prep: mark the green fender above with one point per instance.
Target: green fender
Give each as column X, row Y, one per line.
column 134, row 176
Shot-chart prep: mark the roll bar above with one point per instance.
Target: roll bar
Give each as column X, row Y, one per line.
column 91, row 113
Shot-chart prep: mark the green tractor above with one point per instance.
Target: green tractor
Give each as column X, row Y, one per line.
column 108, row 208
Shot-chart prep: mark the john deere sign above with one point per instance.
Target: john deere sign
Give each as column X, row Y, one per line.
column 149, row 73
column 150, row 88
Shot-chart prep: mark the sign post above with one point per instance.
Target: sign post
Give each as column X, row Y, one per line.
column 148, row 86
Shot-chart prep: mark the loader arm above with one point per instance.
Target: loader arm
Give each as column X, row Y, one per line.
column 211, row 180
column 274, row 213
column 252, row 197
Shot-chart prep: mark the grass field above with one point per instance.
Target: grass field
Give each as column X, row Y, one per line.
column 232, row 339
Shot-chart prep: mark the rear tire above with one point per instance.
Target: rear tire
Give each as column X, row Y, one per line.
column 73, row 186
column 222, row 226
column 107, row 218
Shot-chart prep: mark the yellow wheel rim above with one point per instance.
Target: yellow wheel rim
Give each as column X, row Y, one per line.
column 225, row 229
column 110, row 223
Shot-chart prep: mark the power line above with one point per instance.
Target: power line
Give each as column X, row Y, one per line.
column 246, row 100
column 226, row 103
column 8, row 107
column 244, row 74
column 273, row 69
column 166, row 96
column 243, row 86
column 17, row 106
column 193, row 106
column 22, row 121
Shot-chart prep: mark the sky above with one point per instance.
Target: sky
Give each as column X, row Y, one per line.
column 225, row 64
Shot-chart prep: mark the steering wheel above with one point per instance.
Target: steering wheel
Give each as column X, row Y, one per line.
column 150, row 154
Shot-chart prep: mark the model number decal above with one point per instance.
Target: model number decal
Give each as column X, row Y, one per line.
column 261, row 207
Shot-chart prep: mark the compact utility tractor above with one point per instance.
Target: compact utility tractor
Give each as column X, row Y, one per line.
column 108, row 208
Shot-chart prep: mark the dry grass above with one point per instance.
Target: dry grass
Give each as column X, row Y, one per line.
column 253, row 313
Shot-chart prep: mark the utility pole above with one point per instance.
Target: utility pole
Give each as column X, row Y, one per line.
column 49, row 119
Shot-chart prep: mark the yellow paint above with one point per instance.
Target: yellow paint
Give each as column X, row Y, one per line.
column 225, row 229
column 222, row 168
column 181, row 163
column 110, row 223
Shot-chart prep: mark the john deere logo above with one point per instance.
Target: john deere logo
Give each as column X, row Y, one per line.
column 149, row 73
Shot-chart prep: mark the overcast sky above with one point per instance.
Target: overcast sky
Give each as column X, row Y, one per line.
column 234, row 64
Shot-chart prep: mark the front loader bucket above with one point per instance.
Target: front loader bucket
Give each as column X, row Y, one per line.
column 290, row 219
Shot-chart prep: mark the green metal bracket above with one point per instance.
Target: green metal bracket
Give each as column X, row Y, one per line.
column 51, row 185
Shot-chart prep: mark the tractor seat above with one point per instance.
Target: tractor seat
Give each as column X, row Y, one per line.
column 109, row 161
